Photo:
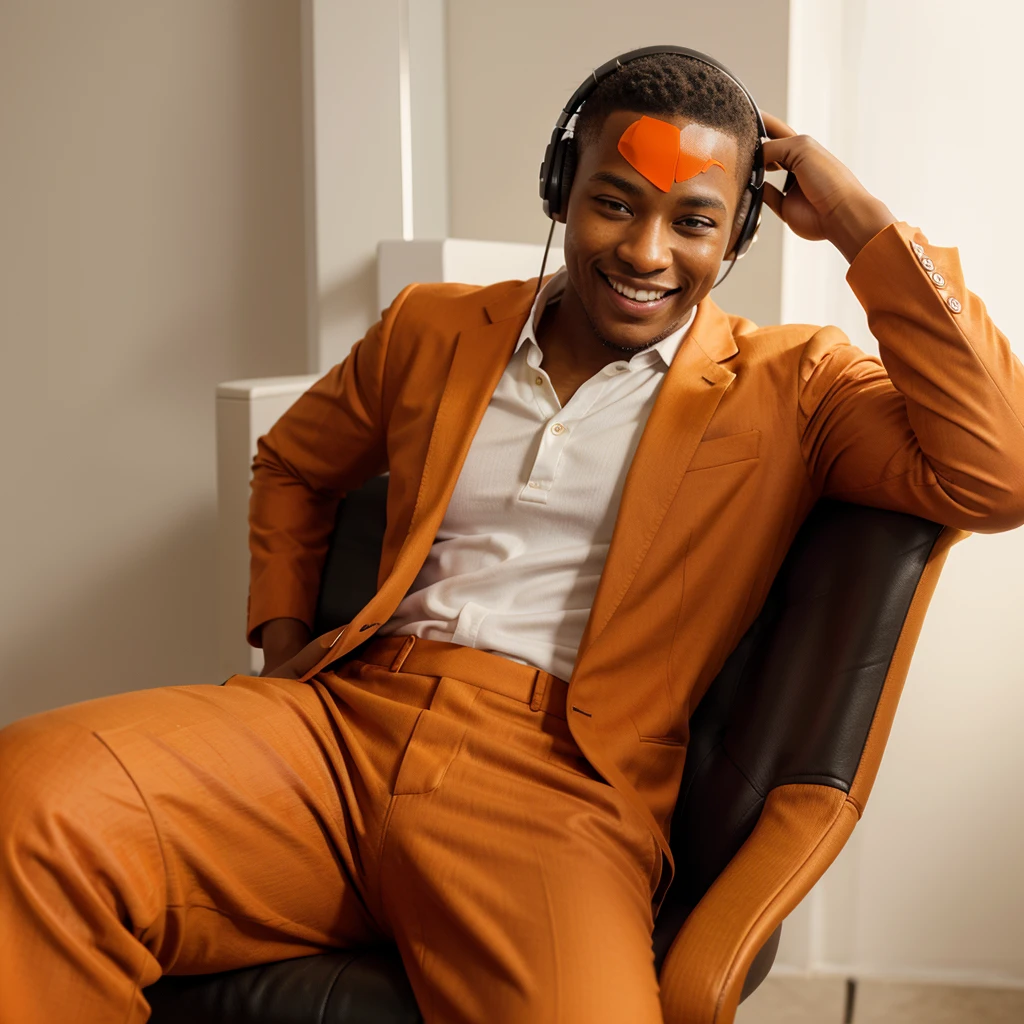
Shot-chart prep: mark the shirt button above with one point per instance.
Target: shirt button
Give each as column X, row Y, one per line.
column 533, row 484
column 954, row 304
column 538, row 380
column 557, row 428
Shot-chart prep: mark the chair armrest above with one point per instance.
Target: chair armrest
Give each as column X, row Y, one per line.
column 798, row 835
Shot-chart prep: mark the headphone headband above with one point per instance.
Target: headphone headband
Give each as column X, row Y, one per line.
column 559, row 164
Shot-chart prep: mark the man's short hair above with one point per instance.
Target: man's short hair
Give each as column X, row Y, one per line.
column 673, row 84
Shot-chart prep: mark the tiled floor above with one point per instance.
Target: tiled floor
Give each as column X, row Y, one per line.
column 795, row 1000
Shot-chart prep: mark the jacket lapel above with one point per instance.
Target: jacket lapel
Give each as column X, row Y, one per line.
column 693, row 386
column 481, row 355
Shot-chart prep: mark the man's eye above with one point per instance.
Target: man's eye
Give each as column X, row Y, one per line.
column 695, row 222
column 615, row 205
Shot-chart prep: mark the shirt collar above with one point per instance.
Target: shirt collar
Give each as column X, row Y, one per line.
column 665, row 350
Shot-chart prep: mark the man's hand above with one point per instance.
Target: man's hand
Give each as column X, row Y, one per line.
column 826, row 200
column 282, row 639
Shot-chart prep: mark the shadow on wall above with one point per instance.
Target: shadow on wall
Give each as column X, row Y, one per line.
column 148, row 622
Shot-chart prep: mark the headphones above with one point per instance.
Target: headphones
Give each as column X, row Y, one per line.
column 559, row 164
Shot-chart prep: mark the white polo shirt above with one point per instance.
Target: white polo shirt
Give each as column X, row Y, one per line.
column 516, row 562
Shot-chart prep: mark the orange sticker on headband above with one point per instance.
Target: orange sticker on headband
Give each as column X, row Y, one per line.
column 663, row 153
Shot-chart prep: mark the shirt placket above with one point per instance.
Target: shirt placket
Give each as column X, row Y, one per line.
column 558, row 424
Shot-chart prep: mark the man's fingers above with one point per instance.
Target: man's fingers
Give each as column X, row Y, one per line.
column 777, row 128
column 773, row 199
column 779, row 154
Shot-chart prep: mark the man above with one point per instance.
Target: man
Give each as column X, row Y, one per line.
column 589, row 496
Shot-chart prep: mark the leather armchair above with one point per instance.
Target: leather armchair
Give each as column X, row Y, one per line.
column 784, row 749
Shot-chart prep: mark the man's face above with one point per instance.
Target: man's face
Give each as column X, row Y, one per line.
column 623, row 232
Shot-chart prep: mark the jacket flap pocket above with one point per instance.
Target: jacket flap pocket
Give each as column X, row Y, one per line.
column 718, row 451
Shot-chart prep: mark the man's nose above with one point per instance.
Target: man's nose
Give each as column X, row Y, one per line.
column 646, row 247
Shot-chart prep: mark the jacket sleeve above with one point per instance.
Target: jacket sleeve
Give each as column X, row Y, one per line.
column 936, row 426
column 331, row 440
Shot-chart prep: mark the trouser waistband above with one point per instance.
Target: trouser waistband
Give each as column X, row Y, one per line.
column 541, row 690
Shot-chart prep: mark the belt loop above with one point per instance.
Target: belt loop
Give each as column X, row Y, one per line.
column 540, row 684
column 410, row 643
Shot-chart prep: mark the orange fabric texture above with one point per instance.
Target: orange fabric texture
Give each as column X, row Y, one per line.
column 707, row 514
column 663, row 153
column 200, row 828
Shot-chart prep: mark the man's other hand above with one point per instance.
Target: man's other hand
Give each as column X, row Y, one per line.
column 282, row 639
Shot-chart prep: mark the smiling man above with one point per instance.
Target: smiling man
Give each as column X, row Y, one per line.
column 592, row 485
column 640, row 253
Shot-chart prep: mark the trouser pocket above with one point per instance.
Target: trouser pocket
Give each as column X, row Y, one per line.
column 436, row 739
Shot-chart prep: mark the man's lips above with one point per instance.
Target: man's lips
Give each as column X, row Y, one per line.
column 633, row 306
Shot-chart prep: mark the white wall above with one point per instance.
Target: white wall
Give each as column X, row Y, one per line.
column 921, row 99
column 511, row 67
column 150, row 246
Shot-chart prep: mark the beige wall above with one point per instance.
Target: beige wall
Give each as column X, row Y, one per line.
column 150, row 246
column 929, row 887
column 511, row 66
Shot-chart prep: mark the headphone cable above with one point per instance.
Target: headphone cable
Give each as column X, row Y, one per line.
column 543, row 263
column 732, row 263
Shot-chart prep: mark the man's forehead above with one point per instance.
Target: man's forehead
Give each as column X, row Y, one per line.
column 668, row 151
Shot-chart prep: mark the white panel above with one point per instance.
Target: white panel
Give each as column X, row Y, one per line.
column 478, row 262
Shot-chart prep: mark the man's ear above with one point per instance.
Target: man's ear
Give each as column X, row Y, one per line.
column 738, row 221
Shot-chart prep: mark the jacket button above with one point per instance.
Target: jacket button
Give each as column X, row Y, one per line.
column 954, row 304
column 939, row 280
column 927, row 264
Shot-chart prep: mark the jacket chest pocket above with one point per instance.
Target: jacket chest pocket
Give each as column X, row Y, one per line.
column 722, row 451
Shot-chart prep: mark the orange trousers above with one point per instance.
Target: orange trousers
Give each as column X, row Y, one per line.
column 424, row 793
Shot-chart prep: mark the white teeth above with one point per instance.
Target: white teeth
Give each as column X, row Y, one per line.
column 632, row 293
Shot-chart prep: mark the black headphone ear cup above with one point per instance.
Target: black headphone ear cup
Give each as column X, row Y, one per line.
column 751, row 221
column 568, row 173
column 743, row 215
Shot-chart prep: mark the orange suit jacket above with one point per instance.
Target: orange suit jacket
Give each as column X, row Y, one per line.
column 751, row 427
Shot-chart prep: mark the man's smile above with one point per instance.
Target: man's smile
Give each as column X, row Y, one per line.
column 635, row 298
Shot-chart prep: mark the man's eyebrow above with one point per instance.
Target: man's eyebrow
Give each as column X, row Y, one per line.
column 621, row 183
column 703, row 202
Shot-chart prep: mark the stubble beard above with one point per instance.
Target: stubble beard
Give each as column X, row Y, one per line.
column 630, row 349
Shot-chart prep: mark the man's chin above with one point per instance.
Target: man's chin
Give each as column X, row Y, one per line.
column 628, row 343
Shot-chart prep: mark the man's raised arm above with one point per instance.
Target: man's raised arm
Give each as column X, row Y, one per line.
column 936, row 426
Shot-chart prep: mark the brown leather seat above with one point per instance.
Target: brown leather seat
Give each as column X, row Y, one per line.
column 784, row 748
